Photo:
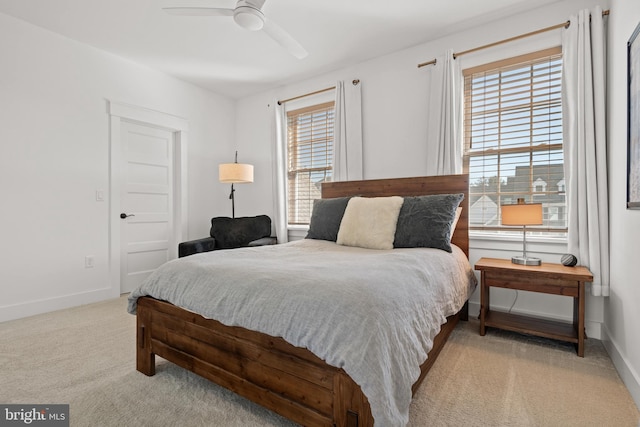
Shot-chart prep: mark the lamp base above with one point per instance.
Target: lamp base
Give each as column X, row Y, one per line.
column 526, row 260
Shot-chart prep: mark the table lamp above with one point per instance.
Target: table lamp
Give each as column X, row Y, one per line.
column 235, row 173
column 522, row 214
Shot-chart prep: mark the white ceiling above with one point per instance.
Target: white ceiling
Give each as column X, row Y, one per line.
column 215, row 53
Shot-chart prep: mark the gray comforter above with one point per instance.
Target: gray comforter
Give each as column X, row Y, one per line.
column 373, row 313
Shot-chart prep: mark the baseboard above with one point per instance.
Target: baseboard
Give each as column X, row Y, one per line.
column 629, row 376
column 32, row 308
column 592, row 329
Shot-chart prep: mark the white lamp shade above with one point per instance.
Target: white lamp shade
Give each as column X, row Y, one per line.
column 522, row 214
column 235, row 173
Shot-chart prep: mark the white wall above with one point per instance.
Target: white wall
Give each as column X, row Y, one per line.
column 54, row 155
column 622, row 316
column 394, row 114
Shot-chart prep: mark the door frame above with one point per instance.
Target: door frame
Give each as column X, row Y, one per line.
column 179, row 127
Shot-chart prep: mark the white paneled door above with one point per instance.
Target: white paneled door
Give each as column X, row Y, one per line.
column 146, row 202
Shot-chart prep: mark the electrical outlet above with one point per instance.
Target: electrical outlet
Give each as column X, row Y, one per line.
column 88, row 261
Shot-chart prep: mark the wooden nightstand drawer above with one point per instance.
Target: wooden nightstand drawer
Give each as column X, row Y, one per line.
column 516, row 280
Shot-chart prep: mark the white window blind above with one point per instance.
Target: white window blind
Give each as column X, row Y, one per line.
column 513, row 138
column 310, row 154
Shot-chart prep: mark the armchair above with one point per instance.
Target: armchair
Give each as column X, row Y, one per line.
column 228, row 233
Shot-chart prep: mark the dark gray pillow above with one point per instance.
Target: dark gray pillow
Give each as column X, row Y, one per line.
column 238, row 232
column 425, row 221
column 326, row 218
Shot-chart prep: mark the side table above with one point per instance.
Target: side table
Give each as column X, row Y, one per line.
column 548, row 278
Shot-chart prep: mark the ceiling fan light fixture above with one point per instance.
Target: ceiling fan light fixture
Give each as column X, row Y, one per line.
column 248, row 15
column 249, row 18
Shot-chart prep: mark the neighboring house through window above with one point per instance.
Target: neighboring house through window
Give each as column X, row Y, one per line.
column 561, row 186
column 309, row 158
column 513, row 138
column 539, row 186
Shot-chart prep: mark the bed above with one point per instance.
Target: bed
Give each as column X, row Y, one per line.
column 265, row 368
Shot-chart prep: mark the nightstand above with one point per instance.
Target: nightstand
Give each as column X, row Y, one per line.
column 548, row 278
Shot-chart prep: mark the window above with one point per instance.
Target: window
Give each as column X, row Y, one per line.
column 513, row 138
column 539, row 186
column 310, row 156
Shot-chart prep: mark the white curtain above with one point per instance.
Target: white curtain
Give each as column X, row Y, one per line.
column 279, row 141
column 585, row 145
column 347, row 135
column 444, row 118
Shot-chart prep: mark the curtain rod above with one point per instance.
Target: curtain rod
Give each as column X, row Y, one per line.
column 327, row 89
column 521, row 36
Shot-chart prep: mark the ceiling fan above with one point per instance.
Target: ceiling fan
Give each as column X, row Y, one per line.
column 247, row 14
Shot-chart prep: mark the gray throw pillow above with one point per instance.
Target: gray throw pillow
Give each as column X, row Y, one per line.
column 326, row 218
column 425, row 221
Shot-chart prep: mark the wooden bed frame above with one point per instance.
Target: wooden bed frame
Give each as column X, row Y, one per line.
column 289, row 380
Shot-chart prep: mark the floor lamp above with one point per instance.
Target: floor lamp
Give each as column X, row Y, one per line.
column 523, row 214
column 235, row 173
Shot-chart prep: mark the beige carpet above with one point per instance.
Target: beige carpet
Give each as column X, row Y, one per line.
column 85, row 356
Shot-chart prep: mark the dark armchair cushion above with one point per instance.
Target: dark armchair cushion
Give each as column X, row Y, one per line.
column 196, row 246
column 238, row 232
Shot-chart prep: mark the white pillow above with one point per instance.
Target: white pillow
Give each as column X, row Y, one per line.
column 455, row 221
column 370, row 222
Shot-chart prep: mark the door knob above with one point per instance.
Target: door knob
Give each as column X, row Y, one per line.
column 124, row 215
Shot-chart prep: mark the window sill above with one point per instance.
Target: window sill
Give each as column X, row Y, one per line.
column 297, row 227
column 296, row 232
column 476, row 236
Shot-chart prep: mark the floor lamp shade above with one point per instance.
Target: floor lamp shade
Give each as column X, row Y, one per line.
column 235, row 173
column 522, row 214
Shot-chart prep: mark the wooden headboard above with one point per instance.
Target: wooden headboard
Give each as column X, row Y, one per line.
column 418, row 186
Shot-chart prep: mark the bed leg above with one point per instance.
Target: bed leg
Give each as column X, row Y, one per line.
column 464, row 312
column 145, row 358
column 352, row 419
column 351, row 408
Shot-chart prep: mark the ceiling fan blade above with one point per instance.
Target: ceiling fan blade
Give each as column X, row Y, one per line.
column 198, row 11
column 283, row 38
